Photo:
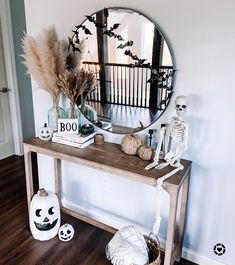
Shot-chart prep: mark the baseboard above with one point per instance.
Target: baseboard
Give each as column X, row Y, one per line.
column 198, row 258
column 106, row 218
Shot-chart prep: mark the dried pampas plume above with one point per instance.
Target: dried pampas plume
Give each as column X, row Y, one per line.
column 45, row 60
column 75, row 84
column 56, row 68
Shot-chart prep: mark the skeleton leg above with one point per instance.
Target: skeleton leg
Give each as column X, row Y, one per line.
column 160, row 188
column 156, row 157
column 158, row 218
column 176, row 157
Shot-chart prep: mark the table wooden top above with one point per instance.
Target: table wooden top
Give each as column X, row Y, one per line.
column 109, row 158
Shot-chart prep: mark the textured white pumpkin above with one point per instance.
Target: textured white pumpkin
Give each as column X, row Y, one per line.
column 66, row 232
column 130, row 144
column 145, row 152
column 44, row 216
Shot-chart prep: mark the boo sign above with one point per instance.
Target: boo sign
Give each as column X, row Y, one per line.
column 68, row 126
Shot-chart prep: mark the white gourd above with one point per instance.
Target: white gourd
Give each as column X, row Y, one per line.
column 145, row 152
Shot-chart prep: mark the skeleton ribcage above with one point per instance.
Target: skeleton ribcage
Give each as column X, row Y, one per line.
column 177, row 131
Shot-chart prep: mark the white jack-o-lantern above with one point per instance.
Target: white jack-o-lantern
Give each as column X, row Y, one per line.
column 44, row 216
column 45, row 133
column 66, row 232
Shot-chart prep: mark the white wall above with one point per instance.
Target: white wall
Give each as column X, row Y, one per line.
column 203, row 40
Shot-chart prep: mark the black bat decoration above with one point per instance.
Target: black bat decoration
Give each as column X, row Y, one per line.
column 129, row 53
column 115, row 26
column 161, row 78
column 86, row 30
column 135, row 58
column 90, row 18
column 141, row 61
column 109, row 32
column 128, row 43
column 119, row 37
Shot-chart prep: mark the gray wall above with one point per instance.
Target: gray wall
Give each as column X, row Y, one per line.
column 24, row 83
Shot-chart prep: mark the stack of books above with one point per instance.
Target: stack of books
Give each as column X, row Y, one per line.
column 75, row 140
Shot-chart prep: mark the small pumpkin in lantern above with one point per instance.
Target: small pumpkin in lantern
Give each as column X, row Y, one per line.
column 130, row 144
column 45, row 133
column 66, row 232
column 145, row 152
column 44, row 215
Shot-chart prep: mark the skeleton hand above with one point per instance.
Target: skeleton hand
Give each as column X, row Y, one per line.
column 151, row 165
column 162, row 165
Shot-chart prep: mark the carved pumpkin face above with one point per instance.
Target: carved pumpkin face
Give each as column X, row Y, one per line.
column 66, row 232
column 45, row 133
column 44, row 215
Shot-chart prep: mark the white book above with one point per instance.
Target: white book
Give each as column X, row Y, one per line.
column 76, row 138
column 74, row 144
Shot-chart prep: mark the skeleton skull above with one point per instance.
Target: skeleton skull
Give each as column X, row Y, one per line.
column 181, row 105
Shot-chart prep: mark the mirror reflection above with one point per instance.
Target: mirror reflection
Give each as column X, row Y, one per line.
column 134, row 68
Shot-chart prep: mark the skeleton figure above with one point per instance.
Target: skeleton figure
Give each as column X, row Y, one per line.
column 174, row 139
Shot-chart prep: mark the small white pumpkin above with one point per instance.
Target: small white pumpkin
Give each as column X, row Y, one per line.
column 44, row 216
column 66, row 232
column 130, row 144
column 145, row 152
column 45, row 133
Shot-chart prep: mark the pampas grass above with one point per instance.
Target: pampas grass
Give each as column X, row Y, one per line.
column 45, row 60
column 56, row 68
column 75, row 84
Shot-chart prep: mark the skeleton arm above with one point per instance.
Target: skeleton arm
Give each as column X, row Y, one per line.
column 175, row 160
column 167, row 140
column 156, row 157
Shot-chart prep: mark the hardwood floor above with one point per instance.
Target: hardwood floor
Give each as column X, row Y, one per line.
column 17, row 246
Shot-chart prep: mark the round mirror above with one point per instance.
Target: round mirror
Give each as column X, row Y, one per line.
column 134, row 67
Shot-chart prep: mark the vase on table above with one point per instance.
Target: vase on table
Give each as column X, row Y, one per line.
column 54, row 114
column 74, row 113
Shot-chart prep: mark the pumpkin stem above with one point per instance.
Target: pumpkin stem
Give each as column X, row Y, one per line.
column 43, row 193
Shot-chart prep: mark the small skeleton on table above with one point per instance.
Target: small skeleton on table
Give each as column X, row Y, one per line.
column 173, row 138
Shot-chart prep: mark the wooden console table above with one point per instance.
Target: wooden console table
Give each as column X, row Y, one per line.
column 109, row 158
